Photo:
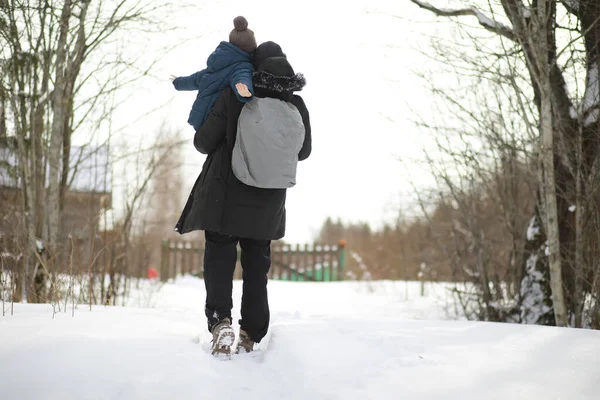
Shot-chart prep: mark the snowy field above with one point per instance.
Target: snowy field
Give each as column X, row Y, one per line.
column 350, row 340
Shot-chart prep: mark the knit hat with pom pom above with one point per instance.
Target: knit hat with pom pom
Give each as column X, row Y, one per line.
column 241, row 36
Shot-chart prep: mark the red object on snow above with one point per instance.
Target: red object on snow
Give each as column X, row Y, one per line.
column 152, row 273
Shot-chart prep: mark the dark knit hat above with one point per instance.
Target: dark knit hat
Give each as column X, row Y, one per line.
column 267, row 50
column 278, row 66
column 241, row 36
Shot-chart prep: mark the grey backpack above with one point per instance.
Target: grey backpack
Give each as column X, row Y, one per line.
column 270, row 134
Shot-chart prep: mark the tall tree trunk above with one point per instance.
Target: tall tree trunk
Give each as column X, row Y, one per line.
column 551, row 214
column 2, row 113
column 59, row 111
column 546, row 60
column 64, row 180
column 27, row 192
column 579, row 242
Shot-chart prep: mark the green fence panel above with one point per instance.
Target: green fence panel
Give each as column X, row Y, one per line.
column 311, row 262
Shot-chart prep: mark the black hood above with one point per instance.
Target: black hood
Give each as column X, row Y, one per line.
column 275, row 74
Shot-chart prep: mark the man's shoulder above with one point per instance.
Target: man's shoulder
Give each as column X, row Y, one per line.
column 298, row 101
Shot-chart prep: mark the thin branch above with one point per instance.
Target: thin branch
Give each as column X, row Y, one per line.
column 485, row 21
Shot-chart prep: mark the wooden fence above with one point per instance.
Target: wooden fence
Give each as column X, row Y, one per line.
column 311, row 262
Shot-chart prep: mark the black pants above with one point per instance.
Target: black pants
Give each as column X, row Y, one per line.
column 220, row 257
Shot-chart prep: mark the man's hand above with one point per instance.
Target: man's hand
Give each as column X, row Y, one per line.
column 172, row 77
column 243, row 90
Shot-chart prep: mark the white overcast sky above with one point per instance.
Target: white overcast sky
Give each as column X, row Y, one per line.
column 359, row 59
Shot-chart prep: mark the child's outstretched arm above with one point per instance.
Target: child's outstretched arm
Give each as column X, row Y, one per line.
column 240, row 81
column 191, row 82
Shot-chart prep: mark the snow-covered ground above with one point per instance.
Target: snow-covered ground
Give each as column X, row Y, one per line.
column 350, row 340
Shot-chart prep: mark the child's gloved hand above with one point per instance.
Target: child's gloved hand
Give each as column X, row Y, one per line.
column 243, row 90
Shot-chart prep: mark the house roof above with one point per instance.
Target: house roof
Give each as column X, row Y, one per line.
column 91, row 169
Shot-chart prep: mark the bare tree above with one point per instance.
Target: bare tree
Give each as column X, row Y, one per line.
column 51, row 54
column 128, row 252
column 555, row 41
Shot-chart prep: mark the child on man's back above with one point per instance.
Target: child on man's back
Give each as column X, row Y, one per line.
column 229, row 65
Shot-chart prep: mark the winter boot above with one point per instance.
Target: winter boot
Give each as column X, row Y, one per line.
column 245, row 344
column 223, row 338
